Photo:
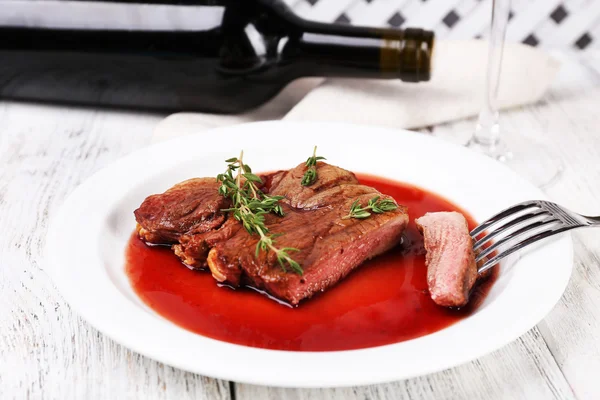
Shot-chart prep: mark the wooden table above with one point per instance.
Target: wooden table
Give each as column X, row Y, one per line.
column 48, row 352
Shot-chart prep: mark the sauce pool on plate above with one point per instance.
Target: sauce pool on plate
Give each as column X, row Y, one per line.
column 383, row 301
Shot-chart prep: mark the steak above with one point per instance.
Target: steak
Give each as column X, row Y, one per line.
column 450, row 259
column 190, row 207
column 329, row 246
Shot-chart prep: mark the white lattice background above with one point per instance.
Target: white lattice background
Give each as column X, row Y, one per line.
column 548, row 23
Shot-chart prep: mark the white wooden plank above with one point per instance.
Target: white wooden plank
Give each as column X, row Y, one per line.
column 570, row 120
column 45, row 350
column 524, row 369
column 572, row 330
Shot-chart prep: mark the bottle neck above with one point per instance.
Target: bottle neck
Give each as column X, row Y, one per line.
column 349, row 51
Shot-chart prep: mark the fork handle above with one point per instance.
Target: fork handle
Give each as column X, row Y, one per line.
column 593, row 221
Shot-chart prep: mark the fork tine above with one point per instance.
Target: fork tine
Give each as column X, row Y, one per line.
column 502, row 214
column 542, row 235
column 507, row 225
column 516, row 234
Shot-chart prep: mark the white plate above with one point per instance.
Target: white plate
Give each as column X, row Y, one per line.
column 87, row 238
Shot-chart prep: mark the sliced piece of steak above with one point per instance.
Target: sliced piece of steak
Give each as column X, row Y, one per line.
column 190, row 207
column 451, row 267
column 330, row 247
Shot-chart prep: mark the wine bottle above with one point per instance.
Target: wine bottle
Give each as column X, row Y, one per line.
column 236, row 55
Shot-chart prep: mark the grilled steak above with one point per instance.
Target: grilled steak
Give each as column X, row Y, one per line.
column 451, row 267
column 330, row 246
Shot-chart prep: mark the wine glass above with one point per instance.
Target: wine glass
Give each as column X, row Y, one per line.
column 529, row 157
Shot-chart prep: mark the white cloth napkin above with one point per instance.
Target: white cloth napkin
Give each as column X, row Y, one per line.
column 454, row 92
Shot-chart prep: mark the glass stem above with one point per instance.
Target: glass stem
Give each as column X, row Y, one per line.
column 487, row 131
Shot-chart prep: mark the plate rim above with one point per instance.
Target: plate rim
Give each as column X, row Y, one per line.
column 52, row 259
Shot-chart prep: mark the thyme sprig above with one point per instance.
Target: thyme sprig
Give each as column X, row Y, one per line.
column 376, row 205
column 310, row 176
column 250, row 205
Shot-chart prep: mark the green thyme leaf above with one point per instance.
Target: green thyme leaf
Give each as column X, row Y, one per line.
column 310, row 176
column 376, row 205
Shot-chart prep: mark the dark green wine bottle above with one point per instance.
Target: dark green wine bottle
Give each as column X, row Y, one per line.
column 238, row 55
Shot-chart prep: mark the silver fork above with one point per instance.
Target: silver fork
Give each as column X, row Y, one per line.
column 535, row 220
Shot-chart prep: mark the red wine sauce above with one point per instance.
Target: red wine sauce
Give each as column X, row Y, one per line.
column 384, row 301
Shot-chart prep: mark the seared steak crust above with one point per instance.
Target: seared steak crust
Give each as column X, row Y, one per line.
column 287, row 184
column 190, row 207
